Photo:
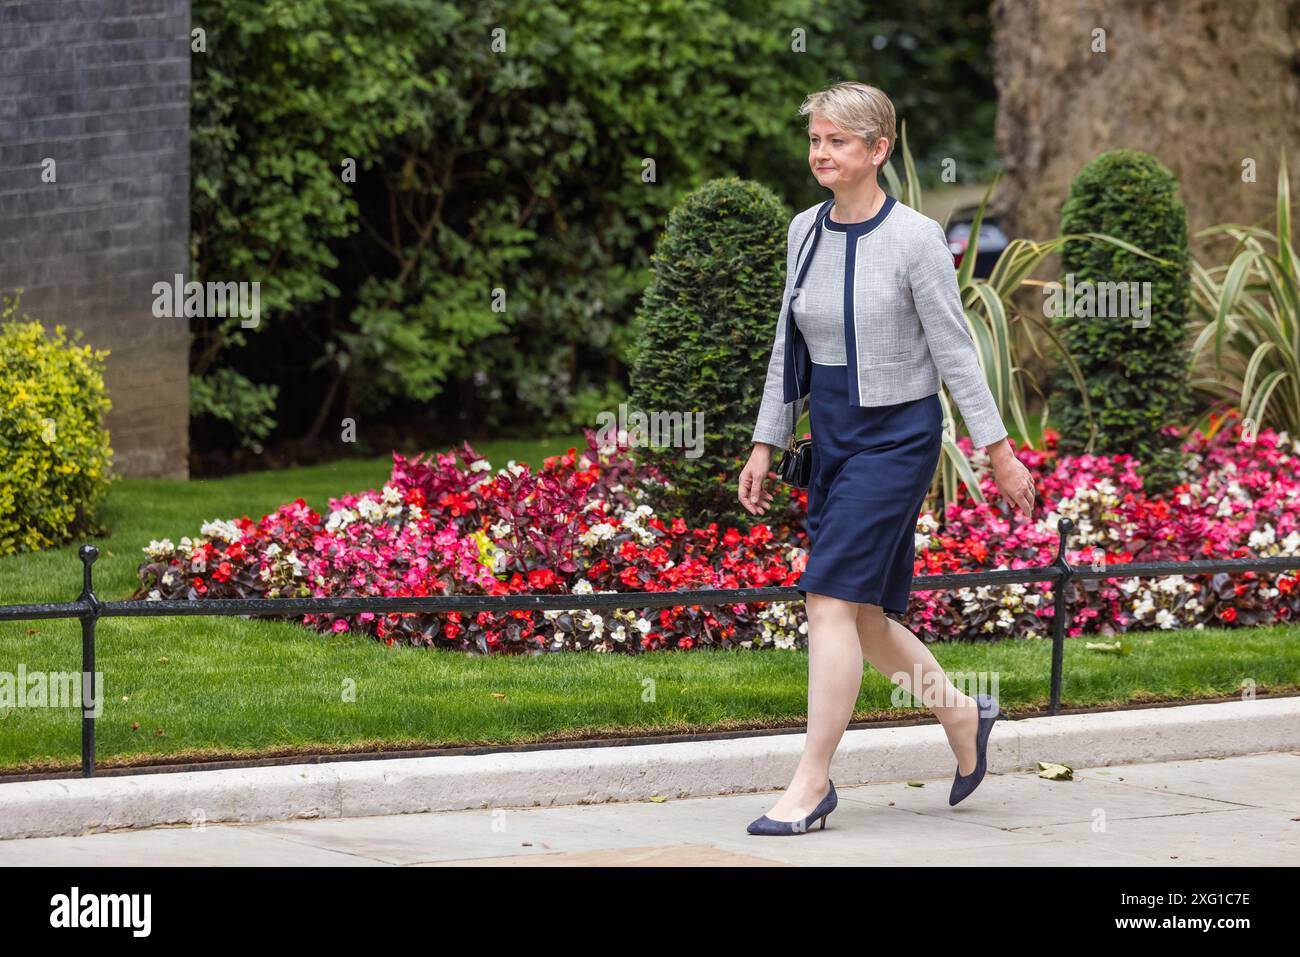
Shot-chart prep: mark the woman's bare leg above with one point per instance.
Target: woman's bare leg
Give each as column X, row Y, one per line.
column 834, row 680
column 899, row 655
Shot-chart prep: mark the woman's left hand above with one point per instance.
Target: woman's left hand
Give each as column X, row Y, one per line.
column 1013, row 479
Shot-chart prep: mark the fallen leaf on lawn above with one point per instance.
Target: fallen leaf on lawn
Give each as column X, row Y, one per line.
column 916, row 784
column 1110, row 648
column 658, row 798
column 497, row 694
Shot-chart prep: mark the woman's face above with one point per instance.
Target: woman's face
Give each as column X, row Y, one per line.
column 838, row 158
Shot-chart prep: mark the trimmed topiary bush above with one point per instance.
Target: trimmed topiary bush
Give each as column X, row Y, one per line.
column 1137, row 373
column 703, row 340
column 54, row 451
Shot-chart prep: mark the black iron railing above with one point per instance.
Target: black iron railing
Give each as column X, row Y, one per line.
column 90, row 609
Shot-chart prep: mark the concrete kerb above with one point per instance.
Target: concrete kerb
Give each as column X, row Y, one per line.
column 631, row 773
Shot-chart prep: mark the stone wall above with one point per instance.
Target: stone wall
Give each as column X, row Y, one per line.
column 102, row 88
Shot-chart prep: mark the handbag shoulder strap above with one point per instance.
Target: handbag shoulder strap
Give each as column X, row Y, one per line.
column 822, row 213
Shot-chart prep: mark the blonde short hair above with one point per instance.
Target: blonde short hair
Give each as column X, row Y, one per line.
column 856, row 108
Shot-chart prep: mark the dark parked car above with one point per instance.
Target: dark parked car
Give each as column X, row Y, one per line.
column 992, row 239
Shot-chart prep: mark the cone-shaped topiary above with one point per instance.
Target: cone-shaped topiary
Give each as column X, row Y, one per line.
column 703, row 337
column 1126, row 322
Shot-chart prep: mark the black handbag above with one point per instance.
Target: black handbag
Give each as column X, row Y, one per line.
column 795, row 467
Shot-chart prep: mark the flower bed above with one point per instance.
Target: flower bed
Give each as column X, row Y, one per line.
column 578, row 526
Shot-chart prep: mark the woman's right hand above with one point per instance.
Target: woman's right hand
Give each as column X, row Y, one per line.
column 754, row 495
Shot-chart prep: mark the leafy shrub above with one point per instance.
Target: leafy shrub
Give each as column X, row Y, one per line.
column 54, row 451
column 1248, row 310
column 482, row 167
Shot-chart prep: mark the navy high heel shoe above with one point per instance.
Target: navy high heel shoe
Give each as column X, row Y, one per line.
column 765, row 825
column 963, row 785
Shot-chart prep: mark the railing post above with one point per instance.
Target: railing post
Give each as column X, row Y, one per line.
column 89, row 691
column 1064, row 570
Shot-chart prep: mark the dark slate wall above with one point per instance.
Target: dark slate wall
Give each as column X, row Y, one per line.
column 102, row 87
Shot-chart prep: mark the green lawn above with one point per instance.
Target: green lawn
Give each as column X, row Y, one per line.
column 224, row 686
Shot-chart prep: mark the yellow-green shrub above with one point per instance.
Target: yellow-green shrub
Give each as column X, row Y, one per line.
column 54, row 451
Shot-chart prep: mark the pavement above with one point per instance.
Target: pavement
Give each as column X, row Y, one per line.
column 1231, row 811
column 1188, row 785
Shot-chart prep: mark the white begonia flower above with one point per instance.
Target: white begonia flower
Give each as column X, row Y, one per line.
column 600, row 532
column 582, row 587
column 1262, row 536
column 340, row 518
column 219, row 528
column 370, row 510
column 155, row 595
column 159, row 549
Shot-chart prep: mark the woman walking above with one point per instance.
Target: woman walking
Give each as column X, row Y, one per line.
column 875, row 319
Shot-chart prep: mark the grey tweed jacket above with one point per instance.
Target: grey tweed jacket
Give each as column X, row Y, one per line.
column 907, row 327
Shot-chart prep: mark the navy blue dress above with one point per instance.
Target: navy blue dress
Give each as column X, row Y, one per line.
column 871, row 468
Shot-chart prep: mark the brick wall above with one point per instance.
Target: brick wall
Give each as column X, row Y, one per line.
column 102, row 87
